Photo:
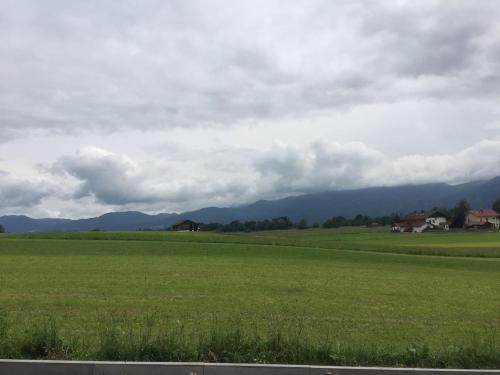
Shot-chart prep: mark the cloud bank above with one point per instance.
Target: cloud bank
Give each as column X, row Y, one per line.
column 71, row 67
column 94, row 176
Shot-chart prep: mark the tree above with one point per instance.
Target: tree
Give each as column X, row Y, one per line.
column 233, row 226
column 302, row 224
column 496, row 205
column 2, row 229
column 388, row 219
column 210, row 226
column 459, row 213
column 336, row 222
column 250, row 226
column 282, row 222
column 360, row 220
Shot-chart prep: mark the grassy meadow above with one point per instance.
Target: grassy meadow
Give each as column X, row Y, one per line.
column 337, row 296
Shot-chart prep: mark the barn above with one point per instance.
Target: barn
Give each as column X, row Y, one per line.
column 185, row 226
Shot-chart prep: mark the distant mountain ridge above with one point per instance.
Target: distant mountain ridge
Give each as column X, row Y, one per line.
column 317, row 207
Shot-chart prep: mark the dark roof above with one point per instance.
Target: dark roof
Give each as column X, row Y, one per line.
column 184, row 221
column 418, row 223
column 422, row 215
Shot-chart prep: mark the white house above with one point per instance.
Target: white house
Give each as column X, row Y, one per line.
column 483, row 219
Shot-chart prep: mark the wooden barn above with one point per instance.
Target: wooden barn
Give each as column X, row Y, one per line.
column 185, row 226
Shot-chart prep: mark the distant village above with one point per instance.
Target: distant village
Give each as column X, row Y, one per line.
column 434, row 220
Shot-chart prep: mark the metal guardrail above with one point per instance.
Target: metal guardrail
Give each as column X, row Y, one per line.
column 22, row 367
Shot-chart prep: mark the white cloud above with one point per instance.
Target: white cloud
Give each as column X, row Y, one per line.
column 333, row 166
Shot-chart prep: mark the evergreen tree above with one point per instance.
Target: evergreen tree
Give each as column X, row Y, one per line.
column 459, row 213
column 302, row 224
column 496, row 205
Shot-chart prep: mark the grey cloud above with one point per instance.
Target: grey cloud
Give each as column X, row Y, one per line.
column 321, row 166
column 433, row 39
column 117, row 180
column 17, row 192
column 72, row 66
column 111, row 179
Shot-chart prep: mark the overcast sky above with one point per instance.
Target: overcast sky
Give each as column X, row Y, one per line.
column 165, row 106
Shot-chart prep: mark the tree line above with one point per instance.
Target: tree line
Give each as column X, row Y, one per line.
column 280, row 223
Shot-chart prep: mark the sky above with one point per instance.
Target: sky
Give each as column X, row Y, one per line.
column 168, row 106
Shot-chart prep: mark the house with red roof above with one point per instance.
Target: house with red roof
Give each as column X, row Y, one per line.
column 420, row 221
column 482, row 219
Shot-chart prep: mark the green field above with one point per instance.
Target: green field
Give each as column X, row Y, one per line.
column 362, row 296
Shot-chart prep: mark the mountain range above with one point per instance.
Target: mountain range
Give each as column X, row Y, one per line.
column 317, row 207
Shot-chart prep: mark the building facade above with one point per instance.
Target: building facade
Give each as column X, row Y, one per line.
column 482, row 219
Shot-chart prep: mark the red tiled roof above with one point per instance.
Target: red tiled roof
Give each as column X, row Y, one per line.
column 423, row 215
column 418, row 216
column 484, row 213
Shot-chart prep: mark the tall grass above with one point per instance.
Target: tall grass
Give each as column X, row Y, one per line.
column 120, row 340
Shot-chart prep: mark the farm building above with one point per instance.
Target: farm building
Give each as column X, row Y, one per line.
column 420, row 221
column 185, row 226
column 482, row 219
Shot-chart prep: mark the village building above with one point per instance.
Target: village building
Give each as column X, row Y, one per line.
column 185, row 226
column 420, row 221
column 482, row 219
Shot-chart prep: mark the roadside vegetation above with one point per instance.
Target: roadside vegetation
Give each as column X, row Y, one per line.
column 119, row 340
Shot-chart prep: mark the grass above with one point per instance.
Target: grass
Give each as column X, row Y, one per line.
column 473, row 244
column 316, row 296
